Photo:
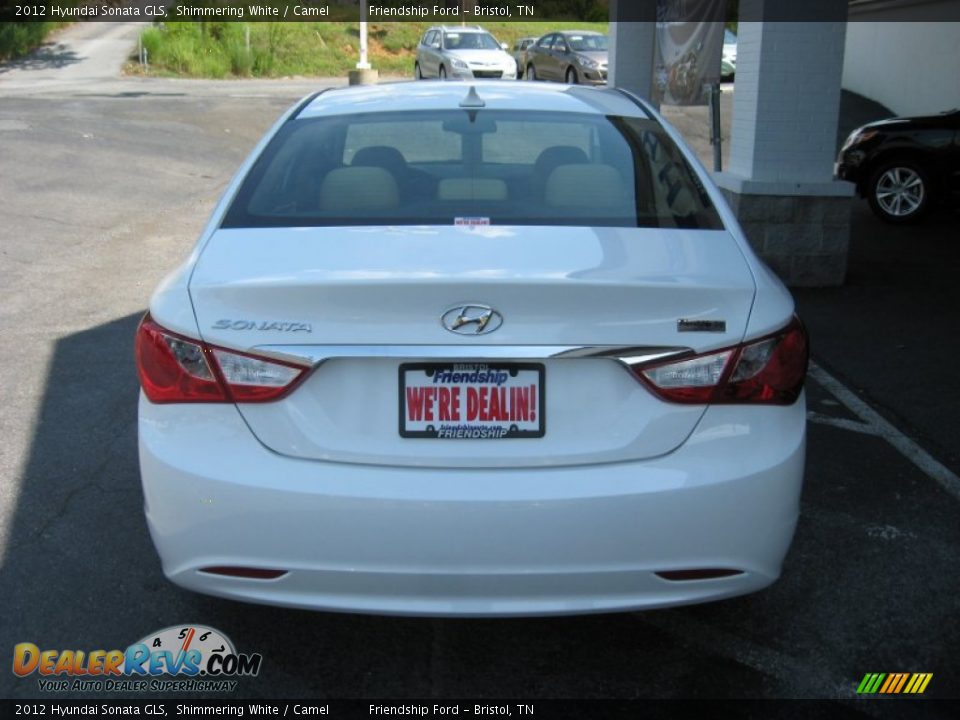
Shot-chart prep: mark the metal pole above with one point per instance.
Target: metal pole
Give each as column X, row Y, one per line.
column 363, row 64
column 715, row 126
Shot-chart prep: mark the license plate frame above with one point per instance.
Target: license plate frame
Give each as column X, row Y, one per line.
column 531, row 418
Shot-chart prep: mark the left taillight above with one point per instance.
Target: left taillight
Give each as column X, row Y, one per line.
column 177, row 369
column 765, row 371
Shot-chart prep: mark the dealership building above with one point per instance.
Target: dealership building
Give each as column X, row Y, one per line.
column 904, row 54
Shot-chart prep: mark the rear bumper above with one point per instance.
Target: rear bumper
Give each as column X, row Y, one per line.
column 433, row 541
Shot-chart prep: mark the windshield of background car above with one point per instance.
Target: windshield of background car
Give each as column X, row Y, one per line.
column 472, row 166
column 587, row 43
column 470, row 41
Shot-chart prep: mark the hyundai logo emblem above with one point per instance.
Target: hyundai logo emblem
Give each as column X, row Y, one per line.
column 472, row 319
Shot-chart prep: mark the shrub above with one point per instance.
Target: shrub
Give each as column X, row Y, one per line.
column 19, row 38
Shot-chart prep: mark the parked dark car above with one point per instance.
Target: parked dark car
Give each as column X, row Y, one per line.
column 904, row 165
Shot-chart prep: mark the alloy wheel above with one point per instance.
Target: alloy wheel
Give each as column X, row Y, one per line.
column 900, row 192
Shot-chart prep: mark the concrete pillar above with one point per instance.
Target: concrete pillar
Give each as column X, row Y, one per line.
column 631, row 48
column 783, row 143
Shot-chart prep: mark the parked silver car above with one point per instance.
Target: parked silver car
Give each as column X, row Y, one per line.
column 571, row 56
column 462, row 53
column 520, row 53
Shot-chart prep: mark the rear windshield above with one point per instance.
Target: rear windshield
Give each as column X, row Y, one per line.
column 471, row 167
column 587, row 43
column 469, row 41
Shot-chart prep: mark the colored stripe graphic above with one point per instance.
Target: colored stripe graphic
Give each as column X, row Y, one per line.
column 923, row 679
column 894, row 683
column 892, row 680
column 903, row 679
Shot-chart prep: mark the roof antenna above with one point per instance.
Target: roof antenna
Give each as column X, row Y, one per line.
column 472, row 100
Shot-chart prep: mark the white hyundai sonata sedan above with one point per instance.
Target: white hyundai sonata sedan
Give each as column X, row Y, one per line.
column 472, row 349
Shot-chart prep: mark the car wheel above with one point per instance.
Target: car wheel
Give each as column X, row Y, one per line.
column 531, row 73
column 899, row 191
column 572, row 78
column 442, row 74
column 417, row 72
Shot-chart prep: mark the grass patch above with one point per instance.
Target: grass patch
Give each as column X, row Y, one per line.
column 321, row 49
column 19, row 38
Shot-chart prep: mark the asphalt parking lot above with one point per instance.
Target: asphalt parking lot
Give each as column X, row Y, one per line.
column 104, row 187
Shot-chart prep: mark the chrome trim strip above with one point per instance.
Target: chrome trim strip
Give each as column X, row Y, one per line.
column 630, row 356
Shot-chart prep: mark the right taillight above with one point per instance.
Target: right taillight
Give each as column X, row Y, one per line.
column 174, row 368
column 768, row 371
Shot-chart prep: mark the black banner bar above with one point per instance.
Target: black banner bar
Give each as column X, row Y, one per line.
column 187, row 709
column 469, row 11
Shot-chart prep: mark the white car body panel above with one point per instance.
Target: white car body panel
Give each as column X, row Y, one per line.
column 347, row 412
column 390, row 285
column 401, row 96
column 415, row 541
column 374, row 286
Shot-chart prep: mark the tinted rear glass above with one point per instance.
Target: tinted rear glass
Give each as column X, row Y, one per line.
column 469, row 41
column 496, row 167
column 587, row 43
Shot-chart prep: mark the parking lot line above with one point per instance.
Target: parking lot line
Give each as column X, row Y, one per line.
column 842, row 423
column 931, row 467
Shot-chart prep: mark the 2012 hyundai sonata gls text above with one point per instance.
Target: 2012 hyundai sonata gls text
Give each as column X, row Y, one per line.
column 472, row 349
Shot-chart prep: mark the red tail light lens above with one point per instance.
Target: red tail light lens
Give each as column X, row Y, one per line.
column 173, row 368
column 767, row 371
column 771, row 370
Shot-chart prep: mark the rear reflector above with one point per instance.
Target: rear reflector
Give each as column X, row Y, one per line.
column 765, row 371
column 244, row 572
column 698, row 574
column 174, row 368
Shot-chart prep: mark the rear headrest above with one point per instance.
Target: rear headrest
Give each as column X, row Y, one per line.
column 557, row 155
column 351, row 189
column 585, row 186
column 380, row 156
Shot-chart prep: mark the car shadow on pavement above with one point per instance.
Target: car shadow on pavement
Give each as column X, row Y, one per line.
column 47, row 57
column 76, row 545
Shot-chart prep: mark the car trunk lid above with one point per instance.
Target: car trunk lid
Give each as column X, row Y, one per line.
column 362, row 302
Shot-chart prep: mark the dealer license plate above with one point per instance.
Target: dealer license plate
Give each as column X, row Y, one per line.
column 471, row 401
